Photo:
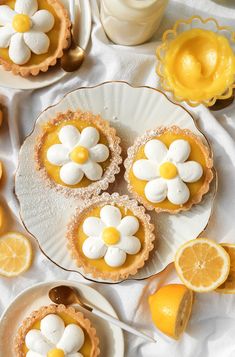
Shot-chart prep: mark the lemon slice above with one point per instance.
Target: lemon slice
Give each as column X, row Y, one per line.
column 15, row 254
column 228, row 287
column 171, row 308
column 202, row 264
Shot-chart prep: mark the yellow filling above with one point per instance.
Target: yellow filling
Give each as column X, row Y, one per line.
column 51, row 138
column 56, row 353
column 199, row 64
column 80, row 155
column 110, row 235
column 195, row 155
column 100, row 264
column 168, row 170
column 21, row 23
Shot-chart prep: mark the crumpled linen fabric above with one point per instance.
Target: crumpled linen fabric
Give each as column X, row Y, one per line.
column 211, row 330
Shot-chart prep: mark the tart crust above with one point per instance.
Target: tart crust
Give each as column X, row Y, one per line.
column 64, row 40
column 140, row 141
column 113, row 168
column 53, row 309
column 83, row 212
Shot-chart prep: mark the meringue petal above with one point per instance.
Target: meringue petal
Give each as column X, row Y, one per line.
column 130, row 245
column 128, row 226
column 179, row 151
column 43, row 21
column 110, row 215
column 6, row 34
column 99, row 153
column 58, row 155
column 72, row 340
column 156, row 190
column 36, row 342
column 178, row 192
column 69, row 136
column 6, row 15
column 145, row 169
column 33, row 354
column 19, row 53
column 28, row 7
column 71, row 173
column 115, row 257
column 52, row 327
column 77, row 354
column 93, row 226
column 155, row 150
column 38, row 42
column 190, row 171
column 94, row 248
column 89, row 137
column 92, row 170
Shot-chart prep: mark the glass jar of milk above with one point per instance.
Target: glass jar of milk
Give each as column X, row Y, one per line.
column 131, row 22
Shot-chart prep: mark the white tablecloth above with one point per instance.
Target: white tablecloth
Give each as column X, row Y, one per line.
column 212, row 327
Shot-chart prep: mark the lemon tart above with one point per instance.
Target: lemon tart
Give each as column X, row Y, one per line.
column 33, row 35
column 56, row 331
column 169, row 169
column 78, row 153
column 110, row 237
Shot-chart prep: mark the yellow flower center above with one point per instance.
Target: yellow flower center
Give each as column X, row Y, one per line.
column 168, row 170
column 110, row 235
column 21, row 23
column 80, row 155
column 56, row 353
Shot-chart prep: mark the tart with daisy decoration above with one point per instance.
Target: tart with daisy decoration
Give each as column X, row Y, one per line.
column 169, row 169
column 110, row 237
column 78, row 153
column 56, row 331
column 33, row 35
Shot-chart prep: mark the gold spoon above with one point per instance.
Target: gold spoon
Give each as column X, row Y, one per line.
column 67, row 295
column 74, row 55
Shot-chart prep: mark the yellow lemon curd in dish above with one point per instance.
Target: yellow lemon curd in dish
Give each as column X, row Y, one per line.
column 168, row 170
column 199, row 64
column 86, row 348
column 79, row 154
column 111, row 236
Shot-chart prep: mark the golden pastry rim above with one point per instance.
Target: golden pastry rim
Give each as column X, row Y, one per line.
column 142, row 140
column 122, row 201
column 115, row 158
column 34, row 70
column 39, row 314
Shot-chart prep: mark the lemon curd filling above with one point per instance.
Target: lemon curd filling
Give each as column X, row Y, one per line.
column 56, row 353
column 168, row 170
column 110, row 235
column 21, row 23
column 199, row 64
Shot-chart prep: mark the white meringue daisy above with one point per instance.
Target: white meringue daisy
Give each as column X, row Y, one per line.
column 111, row 236
column 23, row 30
column 78, row 154
column 54, row 339
column 167, row 171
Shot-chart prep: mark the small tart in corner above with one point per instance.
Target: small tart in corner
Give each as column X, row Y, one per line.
column 33, row 35
column 110, row 237
column 78, row 153
column 169, row 169
column 56, row 331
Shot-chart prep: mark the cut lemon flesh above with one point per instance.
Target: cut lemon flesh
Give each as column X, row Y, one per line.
column 202, row 264
column 170, row 309
column 15, row 254
column 228, row 287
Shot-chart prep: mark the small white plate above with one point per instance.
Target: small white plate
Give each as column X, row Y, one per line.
column 45, row 212
column 54, row 74
column 111, row 337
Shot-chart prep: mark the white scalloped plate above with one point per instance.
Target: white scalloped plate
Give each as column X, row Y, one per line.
column 131, row 111
column 54, row 74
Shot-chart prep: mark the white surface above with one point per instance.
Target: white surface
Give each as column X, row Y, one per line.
column 54, row 74
column 111, row 337
column 36, row 199
column 212, row 326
